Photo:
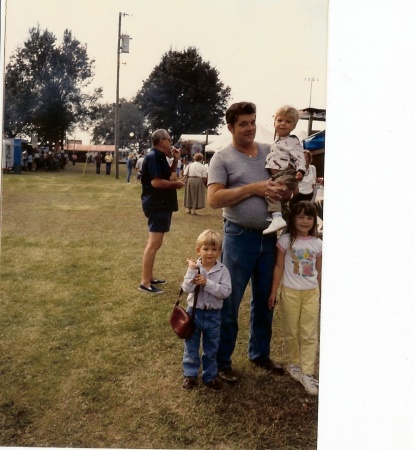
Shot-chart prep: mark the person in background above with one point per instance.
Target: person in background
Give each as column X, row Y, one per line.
column 184, row 152
column 108, row 163
column 195, row 191
column 214, row 281
column 98, row 160
column 196, row 148
column 24, row 158
column 285, row 162
column 138, row 167
column 29, row 160
column 238, row 182
column 159, row 200
column 37, row 160
column 179, row 168
column 130, row 164
column 298, row 266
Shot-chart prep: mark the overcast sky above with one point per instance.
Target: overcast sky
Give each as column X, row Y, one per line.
column 263, row 49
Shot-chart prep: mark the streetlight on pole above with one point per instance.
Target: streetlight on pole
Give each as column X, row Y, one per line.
column 121, row 48
column 311, row 88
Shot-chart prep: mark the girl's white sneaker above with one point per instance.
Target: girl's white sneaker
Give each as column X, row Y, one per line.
column 294, row 371
column 310, row 384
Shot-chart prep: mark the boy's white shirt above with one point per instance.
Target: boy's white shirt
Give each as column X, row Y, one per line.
column 218, row 286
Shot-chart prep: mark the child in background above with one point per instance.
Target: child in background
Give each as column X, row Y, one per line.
column 298, row 265
column 215, row 285
column 285, row 161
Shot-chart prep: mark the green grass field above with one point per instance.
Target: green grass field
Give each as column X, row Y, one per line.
column 87, row 360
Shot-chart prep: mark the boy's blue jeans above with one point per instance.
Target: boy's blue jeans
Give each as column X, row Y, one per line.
column 249, row 256
column 208, row 329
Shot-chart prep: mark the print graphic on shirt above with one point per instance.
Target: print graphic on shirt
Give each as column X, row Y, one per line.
column 304, row 261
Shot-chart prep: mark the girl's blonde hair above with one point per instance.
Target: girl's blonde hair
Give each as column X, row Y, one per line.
column 308, row 209
column 209, row 237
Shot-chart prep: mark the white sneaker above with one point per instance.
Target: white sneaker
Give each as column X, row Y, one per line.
column 294, row 371
column 310, row 384
column 276, row 224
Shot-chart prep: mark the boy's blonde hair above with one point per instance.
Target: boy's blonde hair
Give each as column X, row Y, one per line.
column 288, row 111
column 209, row 237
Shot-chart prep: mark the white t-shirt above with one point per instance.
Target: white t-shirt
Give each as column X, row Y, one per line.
column 300, row 263
column 196, row 169
column 306, row 184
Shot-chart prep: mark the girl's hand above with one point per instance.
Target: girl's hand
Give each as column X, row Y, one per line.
column 192, row 264
column 272, row 302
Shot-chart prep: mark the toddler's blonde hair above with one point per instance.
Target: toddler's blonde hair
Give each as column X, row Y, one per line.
column 288, row 111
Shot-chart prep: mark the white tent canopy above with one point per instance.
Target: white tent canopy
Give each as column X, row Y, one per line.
column 263, row 135
column 199, row 138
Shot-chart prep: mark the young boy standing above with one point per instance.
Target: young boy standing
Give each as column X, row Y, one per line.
column 215, row 285
column 285, row 161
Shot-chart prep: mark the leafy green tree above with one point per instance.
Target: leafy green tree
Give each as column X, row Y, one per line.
column 45, row 86
column 183, row 94
column 131, row 122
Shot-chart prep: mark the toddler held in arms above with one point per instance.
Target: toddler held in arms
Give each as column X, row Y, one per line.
column 285, row 162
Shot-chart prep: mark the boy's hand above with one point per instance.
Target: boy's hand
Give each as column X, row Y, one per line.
column 199, row 279
column 192, row 264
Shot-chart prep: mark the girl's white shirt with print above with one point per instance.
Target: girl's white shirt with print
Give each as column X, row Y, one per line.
column 300, row 263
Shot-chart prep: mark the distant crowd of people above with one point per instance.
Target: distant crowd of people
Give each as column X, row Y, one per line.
column 34, row 160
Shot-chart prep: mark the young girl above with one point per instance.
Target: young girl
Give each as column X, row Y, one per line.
column 298, row 265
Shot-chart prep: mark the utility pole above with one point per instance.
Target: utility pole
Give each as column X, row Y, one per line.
column 120, row 49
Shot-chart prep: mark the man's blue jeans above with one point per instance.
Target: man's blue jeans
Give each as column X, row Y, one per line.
column 208, row 328
column 249, row 256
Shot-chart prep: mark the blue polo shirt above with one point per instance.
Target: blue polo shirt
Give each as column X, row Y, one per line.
column 155, row 165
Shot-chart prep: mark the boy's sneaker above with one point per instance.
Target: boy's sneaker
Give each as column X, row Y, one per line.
column 294, row 371
column 228, row 375
column 214, row 385
column 276, row 224
column 189, row 383
column 310, row 384
column 151, row 289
